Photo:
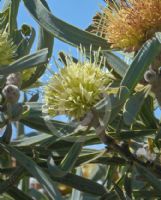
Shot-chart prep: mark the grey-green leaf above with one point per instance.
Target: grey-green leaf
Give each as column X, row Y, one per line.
column 71, row 157
column 133, row 106
column 26, row 62
column 116, row 63
column 61, row 29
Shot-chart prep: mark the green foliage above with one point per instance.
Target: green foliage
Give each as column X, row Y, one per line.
column 58, row 155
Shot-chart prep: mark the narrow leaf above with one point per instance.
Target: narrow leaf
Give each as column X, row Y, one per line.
column 119, row 192
column 70, row 159
column 76, row 194
column 45, row 40
column 116, row 63
column 133, row 106
column 35, row 170
column 26, row 62
column 150, row 177
column 67, row 163
column 61, row 29
column 82, row 184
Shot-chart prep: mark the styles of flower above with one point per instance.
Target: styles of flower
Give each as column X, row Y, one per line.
column 130, row 25
column 76, row 88
column 7, row 49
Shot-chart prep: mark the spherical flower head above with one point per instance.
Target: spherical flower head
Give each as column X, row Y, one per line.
column 130, row 25
column 75, row 89
column 7, row 49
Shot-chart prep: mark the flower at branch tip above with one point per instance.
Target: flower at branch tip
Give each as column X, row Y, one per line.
column 129, row 25
column 7, row 49
column 76, row 88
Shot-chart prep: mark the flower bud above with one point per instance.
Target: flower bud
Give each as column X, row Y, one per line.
column 14, row 79
column 150, row 76
column 11, row 93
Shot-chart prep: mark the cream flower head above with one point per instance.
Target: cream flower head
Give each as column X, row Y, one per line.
column 76, row 88
column 7, row 49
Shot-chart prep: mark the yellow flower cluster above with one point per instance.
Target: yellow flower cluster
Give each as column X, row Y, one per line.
column 75, row 89
column 129, row 26
column 7, row 49
column 26, row 74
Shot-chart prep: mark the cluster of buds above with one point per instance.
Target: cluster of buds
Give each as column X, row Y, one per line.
column 11, row 91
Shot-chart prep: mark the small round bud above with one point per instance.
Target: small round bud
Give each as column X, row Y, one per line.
column 14, row 79
column 26, row 30
column 150, row 76
column 11, row 93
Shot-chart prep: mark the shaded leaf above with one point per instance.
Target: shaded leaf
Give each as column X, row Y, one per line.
column 76, row 194
column 37, row 195
column 70, row 159
column 18, row 194
column 67, row 163
column 35, row 170
column 26, row 62
column 6, row 138
column 133, row 106
column 82, row 184
column 115, row 63
column 150, row 177
column 119, row 192
column 30, row 141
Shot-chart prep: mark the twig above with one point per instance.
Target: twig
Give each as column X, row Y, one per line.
column 14, row 178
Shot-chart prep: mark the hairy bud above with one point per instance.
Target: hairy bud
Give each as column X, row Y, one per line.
column 11, row 93
column 14, row 79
